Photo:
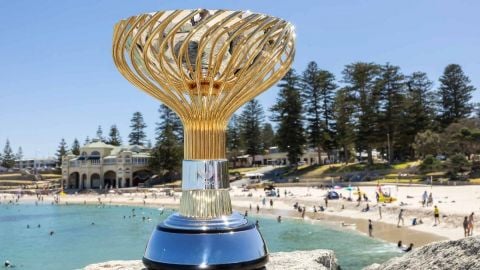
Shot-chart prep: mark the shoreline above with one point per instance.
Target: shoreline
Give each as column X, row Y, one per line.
column 383, row 229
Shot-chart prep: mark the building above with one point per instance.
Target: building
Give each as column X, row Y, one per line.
column 275, row 157
column 101, row 165
column 37, row 164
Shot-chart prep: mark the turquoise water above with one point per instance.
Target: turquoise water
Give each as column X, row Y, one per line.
column 77, row 243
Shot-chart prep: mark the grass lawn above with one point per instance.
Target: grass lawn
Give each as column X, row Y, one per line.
column 406, row 165
column 314, row 171
column 401, row 181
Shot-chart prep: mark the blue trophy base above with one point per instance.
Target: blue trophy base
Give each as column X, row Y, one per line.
column 229, row 242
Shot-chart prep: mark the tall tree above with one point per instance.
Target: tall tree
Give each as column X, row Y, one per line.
column 233, row 139
column 168, row 151
column 100, row 134
column 391, row 85
column 8, row 157
column 137, row 136
column 250, row 125
column 76, row 147
column 114, row 136
column 345, row 127
column 455, row 93
column 361, row 84
column 87, row 141
column 318, row 93
column 267, row 136
column 419, row 110
column 287, row 112
column 62, row 150
column 19, row 154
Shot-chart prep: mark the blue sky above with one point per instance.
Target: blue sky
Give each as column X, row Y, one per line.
column 58, row 80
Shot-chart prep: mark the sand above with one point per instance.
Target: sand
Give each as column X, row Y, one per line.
column 454, row 203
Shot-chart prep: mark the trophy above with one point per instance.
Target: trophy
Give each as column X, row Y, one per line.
column 204, row 65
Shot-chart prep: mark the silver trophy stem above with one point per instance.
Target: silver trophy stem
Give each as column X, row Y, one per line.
column 205, row 187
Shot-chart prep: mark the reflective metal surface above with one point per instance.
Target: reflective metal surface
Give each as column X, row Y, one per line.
column 205, row 174
column 181, row 242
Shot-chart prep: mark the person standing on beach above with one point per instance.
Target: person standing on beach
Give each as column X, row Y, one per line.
column 258, row 208
column 400, row 218
column 271, row 203
column 424, row 198
column 470, row 224
column 430, row 199
column 370, row 228
column 436, row 215
column 326, row 202
column 466, row 230
column 380, row 211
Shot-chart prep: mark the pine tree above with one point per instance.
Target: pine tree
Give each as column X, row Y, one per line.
column 76, row 147
column 318, row 92
column 287, row 112
column 114, row 136
column 137, row 136
column 233, row 139
column 345, row 133
column 267, row 136
column 167, row 154
column 250, row 127
column 62, row 150
column 361, row 79
column 419, row 110
column 455, row 93
column 8, row 158
column 100, row 134
column 391, row 85
column 19, row 154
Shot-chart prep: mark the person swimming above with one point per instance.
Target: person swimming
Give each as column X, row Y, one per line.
column 409, row 248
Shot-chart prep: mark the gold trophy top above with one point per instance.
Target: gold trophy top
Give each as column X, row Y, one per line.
column 203, row 64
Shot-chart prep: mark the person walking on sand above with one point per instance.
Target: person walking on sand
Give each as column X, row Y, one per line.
column 470, row 224
column 436, row 215
column 326, row 202
column 400, row 218
column 271, row 203
column 424, row 198
column 430, row 199
column 466, row 232
column 380, row 211
column 370, row 228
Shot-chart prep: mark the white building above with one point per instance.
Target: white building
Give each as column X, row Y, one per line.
column 275, row 157
column 101, row 165
column 36, row 164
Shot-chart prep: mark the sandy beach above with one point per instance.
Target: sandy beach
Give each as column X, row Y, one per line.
column 454, row 202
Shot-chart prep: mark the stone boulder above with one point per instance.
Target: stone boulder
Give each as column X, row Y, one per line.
column 451, row 255
column 319, row 259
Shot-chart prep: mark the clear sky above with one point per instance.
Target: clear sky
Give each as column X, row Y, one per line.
column 58, row 80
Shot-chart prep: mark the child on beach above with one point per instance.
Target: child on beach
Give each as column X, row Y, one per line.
column 436, row 215
column 400, row 218
column 466, row 232
column 470, row 224
column 370, row 228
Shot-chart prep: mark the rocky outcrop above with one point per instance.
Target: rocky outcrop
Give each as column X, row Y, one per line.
column 320, row 259
column 451, row 255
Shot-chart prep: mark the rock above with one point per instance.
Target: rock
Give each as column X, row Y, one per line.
column 320, row 259
column 451, row 255
column 296, row 260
